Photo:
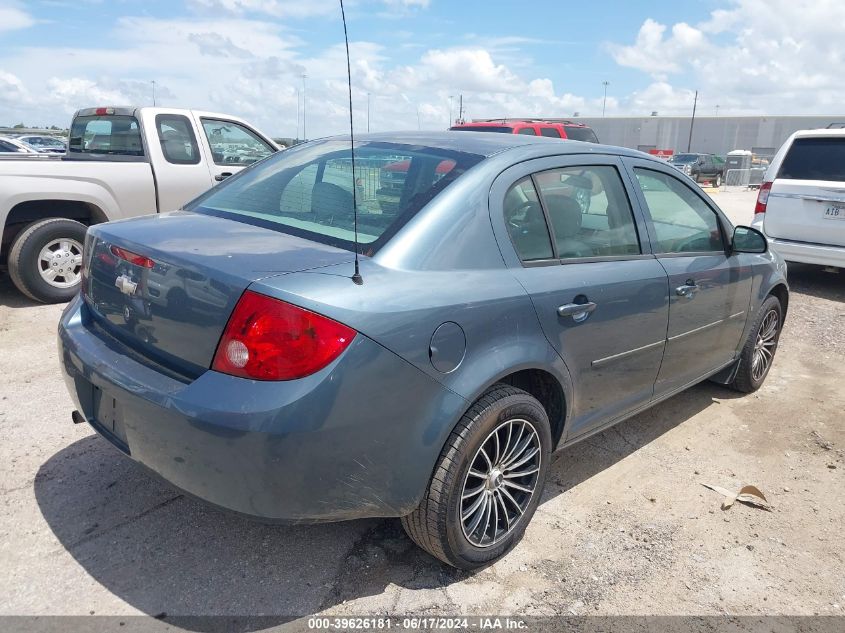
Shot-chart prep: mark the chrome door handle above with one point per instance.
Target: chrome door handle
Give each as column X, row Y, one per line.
column 578, row 311
column 688, row 290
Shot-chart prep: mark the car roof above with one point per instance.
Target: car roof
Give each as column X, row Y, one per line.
column 513, row 122
column 488, row 144
column 819, row 133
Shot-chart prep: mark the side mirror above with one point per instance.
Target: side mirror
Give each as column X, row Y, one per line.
column 748, row 240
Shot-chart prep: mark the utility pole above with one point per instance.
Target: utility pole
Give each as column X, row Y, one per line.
column 297, row 114
column 692, row 121
column 605, row 83
column 368, row 113
column 304, row 109
column 461, row 109
column 154, row 92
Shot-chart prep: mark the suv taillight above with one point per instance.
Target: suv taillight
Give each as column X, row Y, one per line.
column 763, row 197
column 269, row 339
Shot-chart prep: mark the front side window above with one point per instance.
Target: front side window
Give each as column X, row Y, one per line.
column 112, row 135
column 178, row 143
column 308, row 190
column 233, row 144
column 683, row 223
column 526, row 223
column 589, row 211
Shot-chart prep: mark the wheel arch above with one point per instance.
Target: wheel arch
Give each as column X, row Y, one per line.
column 27, row 211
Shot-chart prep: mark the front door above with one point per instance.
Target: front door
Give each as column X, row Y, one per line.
column 601, row 300
column 709, row 288
column 233, row 146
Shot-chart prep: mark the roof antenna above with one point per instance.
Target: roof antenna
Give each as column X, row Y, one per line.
column 356, row 277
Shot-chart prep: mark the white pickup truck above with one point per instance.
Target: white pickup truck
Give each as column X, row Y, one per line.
column 121, row 162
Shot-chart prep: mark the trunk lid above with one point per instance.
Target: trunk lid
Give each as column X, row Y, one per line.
column 166, row 285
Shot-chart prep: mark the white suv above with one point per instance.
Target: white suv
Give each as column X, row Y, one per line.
column 801, row 204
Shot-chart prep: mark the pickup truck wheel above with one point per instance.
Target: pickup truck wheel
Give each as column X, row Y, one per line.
column 717, row 181
column 488, row 481
column 45, row 261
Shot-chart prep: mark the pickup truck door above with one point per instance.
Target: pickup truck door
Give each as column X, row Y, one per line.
column 180, row 170
column 230, row 146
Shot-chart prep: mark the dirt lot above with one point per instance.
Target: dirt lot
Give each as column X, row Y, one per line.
column 625, row 526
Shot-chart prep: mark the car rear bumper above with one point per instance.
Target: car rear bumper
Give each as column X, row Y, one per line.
column 806, row 253
column 358, row 439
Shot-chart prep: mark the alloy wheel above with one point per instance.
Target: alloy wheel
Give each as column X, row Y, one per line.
column 764, row 347
column 60, row 262
column 500, row 483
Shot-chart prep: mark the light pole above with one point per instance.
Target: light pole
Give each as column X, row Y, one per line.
column 692, row 121
column 605, row 83
column 450, row 109
column 297, row 114
column 154, row 92
column 304, row 109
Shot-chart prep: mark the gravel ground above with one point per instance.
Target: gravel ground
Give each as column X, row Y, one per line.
column 625, row 526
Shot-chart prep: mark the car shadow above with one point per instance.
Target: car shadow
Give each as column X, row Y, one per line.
column 171, row 556
column 11, row 297
column 817, row 282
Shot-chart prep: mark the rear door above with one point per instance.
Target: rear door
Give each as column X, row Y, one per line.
column 807, row 199
column 181, row 174
column 569, row 233
column 709, row 289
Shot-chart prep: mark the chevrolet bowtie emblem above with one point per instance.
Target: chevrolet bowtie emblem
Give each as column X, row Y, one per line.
column 126, row 285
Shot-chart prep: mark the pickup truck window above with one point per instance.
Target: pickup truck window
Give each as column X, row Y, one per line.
column 234, row 144
column 111, row 135
column 178, row 143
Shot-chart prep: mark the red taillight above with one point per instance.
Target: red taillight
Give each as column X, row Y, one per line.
column 763, row 197
column 268, row 339
column 132, row 258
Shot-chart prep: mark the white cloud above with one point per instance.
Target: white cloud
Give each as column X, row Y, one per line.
column 758, row 56
column 12, row 18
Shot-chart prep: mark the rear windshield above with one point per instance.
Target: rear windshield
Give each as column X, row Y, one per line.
column 307, row 190
column 580, row 134
column 111, row 135
column 503, row 129
column 683, row 159
column 815, row 159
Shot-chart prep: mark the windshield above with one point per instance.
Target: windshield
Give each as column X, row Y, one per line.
column 577, row 133
column 483, row 128
column 683, row 159
column 308, row 190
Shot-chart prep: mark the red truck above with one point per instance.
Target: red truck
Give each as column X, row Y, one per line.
column 532, row 127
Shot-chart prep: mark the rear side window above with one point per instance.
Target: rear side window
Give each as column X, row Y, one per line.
column 309, row 190
column 178, row 143
column 526, row 222
column 589, row 212
column 577, row 133
column 815, row 159
column 111, row 135
column 527, row 130
column 550, row 131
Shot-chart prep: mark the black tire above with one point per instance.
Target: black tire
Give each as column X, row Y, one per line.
column 746, row 380
column 717, row 181
column 25, row 264
column 436, row 524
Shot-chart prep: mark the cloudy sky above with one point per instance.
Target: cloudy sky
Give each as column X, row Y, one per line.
column 507, row 58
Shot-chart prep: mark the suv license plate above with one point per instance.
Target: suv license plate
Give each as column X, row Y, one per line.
column 835, row 212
